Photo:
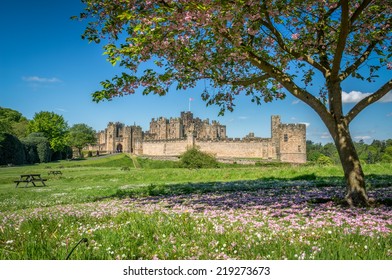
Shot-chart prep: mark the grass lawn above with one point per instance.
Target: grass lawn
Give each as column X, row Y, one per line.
column 132, row 208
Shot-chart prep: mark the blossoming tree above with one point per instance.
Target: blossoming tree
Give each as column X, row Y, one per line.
column 263, row 49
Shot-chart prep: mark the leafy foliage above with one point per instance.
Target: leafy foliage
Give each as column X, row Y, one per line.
column 37, row 148
column 13, row 122
column 11, row 150
column 81, row 135
column 376, row 152
column 194, row 158
column 324, row 160
column 255, row 47
column 53, row 127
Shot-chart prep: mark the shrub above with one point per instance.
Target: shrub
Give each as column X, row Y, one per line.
column 37, row 148
column 30, row 149
column 11, row 150
column 324, row 160
column 194, row 158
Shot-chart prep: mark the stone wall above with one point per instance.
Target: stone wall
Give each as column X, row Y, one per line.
column 232, row 149
column 238, row 149
column 165, row 148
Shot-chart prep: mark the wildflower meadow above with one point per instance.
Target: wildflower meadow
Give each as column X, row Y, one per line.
column 97, row 209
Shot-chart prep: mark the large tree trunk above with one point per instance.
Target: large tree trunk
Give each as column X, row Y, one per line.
column 355, row 179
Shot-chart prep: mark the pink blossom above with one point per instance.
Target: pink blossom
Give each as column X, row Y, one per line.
column 295, row 36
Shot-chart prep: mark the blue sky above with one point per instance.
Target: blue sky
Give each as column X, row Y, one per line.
column 46, row 66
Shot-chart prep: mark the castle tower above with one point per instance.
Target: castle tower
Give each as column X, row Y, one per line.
column 175, row 129
column 292, row 143
column 137, row 140
column 187, row 121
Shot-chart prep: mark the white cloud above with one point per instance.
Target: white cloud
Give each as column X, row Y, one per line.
column 61, row 110
column 365, row 137
column 295, row 102
column 325, row 135
column 353, row 96
column 356, row 96
column 243, row 118
column 387, row 98
column 37, row 79
column 389, row 115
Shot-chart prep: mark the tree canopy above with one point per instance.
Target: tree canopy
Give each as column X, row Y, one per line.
column 263, row 49
column 53, row 127
column 81, row 135
column 255, row 47
column 13, row 122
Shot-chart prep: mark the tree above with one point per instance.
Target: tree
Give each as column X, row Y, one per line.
column 11, row 150
column 263, row 49
column 53, row 127
column 13, row 122
column 37, row 148
column 81, row 135
column 387, row 156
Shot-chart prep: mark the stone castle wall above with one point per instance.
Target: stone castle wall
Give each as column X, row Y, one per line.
column 172, row 138
column 240, row 149
column 165, row 148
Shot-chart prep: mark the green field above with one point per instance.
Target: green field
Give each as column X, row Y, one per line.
column 133, row 208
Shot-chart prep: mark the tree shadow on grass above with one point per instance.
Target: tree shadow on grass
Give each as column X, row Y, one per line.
column 271, row 191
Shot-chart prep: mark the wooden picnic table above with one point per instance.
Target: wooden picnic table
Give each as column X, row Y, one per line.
column 55, row 172
column 30, row 178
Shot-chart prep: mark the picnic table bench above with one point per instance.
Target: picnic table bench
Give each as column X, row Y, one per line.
column 30, row 178
column 55, row 172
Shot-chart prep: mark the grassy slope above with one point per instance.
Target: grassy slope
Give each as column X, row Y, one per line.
column 122, row 231
column 95, row 179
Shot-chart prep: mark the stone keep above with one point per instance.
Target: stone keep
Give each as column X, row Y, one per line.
column 171, row 137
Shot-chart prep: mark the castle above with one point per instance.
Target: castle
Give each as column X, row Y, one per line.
column 171, row 137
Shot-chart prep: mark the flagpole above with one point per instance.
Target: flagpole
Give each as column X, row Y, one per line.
column 189, row 105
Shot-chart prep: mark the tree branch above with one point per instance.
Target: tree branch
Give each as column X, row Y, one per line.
column 381, row 92
column 344, row 31
column 358, row 11
column 291, row 86
column 365, row 55
column 250, row 81
column 279, row 39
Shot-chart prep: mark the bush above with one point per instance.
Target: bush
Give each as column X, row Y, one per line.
column 30, row 149
column 194, row 158
column 324, row 160
column 11, row 150
column 37, row 148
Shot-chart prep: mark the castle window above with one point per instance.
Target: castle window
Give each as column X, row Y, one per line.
column 286, row 138
column 299, row 148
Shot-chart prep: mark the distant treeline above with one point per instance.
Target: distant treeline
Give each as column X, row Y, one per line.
column 377, row 151
column 47, row 137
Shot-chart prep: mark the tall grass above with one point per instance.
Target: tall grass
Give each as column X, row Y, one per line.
column 159, row 211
